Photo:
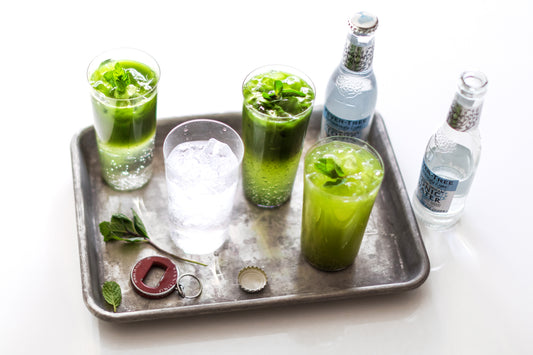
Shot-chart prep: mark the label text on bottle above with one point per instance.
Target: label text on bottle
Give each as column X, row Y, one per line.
column 435, row 192
column 335, row 126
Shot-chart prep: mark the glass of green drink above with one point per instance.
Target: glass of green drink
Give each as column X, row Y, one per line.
column 342, row 177
column 124, row 99
column 278, row 101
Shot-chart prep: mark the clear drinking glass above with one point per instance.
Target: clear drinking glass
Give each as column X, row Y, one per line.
column 342, row 177
column 278, row 101
column 202, row 163
column 124, row 98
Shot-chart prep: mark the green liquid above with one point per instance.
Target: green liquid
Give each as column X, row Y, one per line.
column 334, row 218
column 273, row 138
column 125, row 123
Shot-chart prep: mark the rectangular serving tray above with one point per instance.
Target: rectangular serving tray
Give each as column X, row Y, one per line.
column 392, row 257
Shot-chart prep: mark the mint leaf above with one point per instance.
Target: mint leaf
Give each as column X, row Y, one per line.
column 112, row 294
column 278, row 87
column 122, row 79
column 338, row 170
column 110, row 78
column 118, row 78
column 290, row 92
column 331, row 169
column 279, row 92
column 335, row 182
column 122, row 228
column 112, row 232
column 267, row 95
column 139, row 225
column 122, row 223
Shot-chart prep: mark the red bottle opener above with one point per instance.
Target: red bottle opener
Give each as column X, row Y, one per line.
column 168, row 282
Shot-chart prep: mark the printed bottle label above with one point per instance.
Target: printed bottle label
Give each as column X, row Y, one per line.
column 335, row 126
column 435, row 192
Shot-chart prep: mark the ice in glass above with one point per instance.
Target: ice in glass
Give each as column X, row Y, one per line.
column 342, row 177
column 278, row 102
column 202, row 164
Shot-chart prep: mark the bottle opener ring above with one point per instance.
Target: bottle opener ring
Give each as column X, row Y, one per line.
column 182, row 292
column 168, row 283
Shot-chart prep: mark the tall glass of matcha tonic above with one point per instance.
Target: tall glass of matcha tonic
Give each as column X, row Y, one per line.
column 124, row 99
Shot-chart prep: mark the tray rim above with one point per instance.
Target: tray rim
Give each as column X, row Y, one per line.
column 252, row 303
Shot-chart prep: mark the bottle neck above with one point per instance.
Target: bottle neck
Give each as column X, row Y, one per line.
column 466, row 106
column 358, row 53
column 464, row 113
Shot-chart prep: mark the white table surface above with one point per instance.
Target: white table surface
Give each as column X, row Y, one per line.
column 478, row 297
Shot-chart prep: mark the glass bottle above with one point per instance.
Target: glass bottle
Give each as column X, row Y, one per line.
column 451, row 157
column 351, row 92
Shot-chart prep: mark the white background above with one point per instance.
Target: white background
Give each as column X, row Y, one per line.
column 478, row 297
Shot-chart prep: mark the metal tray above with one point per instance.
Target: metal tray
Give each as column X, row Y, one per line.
column 392, row 257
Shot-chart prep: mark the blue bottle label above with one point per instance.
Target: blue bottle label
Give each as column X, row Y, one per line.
column 435, row 192
column 336, row 126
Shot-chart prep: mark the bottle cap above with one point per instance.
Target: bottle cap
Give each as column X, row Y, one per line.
column 363, row 23
column 252, row 279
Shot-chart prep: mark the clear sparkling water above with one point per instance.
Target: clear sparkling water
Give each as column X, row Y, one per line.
column 454, row 163
column 451, row 157
column 202, row 178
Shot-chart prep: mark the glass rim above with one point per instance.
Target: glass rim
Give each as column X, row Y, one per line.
column 473, row 83
column 287, row 69
column 206, row 120
column 349, row 139
column 98, row 59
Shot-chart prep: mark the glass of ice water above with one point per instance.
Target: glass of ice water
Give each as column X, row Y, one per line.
column 202, row 163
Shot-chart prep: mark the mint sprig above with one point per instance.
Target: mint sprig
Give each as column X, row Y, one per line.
column 122, row 228
column 112, row 294
column 118, row 78
column 279, row 92
column 331, row 169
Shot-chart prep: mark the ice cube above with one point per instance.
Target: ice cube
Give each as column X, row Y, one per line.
column 215, row 148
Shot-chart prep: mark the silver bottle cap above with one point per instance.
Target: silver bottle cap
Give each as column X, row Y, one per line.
column 252, row 279
column 363, row 23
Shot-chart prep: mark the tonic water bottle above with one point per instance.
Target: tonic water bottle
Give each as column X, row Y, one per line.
column 452, row 157
column 351, row 92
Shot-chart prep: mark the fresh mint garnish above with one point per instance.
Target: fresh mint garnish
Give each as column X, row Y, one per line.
column 291, row 92
column 122, row 228
column 112, row 294
column 278, row 87
column 118, row 78
column 278, row 92
column 281, row 100
column 331, row 169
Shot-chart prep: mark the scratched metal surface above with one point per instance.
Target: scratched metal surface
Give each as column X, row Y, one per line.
column 392, row 257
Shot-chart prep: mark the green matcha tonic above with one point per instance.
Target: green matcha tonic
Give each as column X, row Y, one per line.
column 124, row 97
column 278, row 102
column 342, row 176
